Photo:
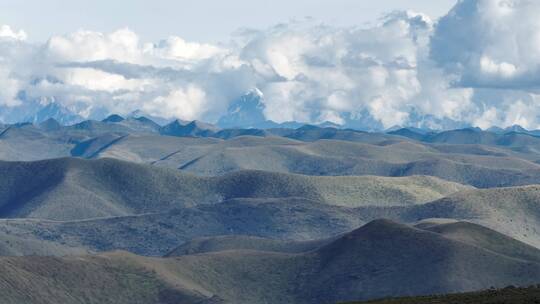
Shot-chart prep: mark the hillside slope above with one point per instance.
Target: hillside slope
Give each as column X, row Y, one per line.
column 513, row 211
column 74, row 189
column 465, row 156
column 240, row 242
column 362, row 264
column 156, row 234
column 508, row 295
column 128, row 213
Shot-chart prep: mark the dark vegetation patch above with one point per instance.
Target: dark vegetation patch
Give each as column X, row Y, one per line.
column 508, row 295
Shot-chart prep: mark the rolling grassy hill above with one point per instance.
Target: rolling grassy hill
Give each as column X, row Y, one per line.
column 241, row 242
column 262, row 216
column 480, row 166
column 479, row 158
column 513, row 211
column 25, row 245
column 106, row 204
column 156, row 234
column 380, row 259
column 74, row 189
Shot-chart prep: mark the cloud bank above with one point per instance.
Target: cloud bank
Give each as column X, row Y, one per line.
column 478, row 65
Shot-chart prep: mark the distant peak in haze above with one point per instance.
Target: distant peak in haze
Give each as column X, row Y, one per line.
column 55, row 111
column 159, row 120
column 193, row 129
column 246, row 111
column 50, row 124
column 114, row 118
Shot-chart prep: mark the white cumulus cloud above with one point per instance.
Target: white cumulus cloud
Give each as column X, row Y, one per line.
column 6, row 32
column 491, row 43
column 121, row 45
column 478, row 65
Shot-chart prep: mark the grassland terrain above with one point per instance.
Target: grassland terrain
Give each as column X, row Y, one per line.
column 478, row 158
column 509, row 295
column 70, row 189
column 513, row 210
column 106, row 204
column 366, row 263
column 129, row 211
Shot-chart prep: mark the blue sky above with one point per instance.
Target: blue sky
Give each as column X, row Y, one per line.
column 201, row 20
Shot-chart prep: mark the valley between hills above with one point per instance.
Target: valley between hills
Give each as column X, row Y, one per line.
column 129, row 211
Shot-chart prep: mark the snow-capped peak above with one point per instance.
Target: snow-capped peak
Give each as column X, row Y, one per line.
column 255, row 91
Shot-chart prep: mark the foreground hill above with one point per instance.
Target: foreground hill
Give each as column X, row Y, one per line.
column 381, row 259
column 509, row 295
column 74, row 189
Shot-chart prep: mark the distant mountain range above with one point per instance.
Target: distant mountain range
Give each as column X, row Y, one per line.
column 478, row 134
column 116, row 126
column 246, row 112
column 244, row 117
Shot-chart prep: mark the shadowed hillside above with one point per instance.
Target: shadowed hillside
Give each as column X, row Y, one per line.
column 158, row 233
column 478, row 158
column 508, row 295
column 239, row 242
column 381, row 259
column 70, row 189
column 264, row 218
column 128, row 213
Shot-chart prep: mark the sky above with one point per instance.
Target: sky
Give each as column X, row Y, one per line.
column 201, row 20
column 434, row 64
